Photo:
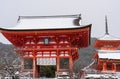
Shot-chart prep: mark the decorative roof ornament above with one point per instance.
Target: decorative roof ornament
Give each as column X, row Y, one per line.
column 79, row 16
column 106, row 28
column 107, row 41
column 107, row 36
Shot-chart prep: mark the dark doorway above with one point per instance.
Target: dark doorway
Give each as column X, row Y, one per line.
column 47, row 71
column 64, row 63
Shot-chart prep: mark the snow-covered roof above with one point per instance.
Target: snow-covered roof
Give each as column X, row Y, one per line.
column 109, row 54
column 47, row 22
column 108, row 37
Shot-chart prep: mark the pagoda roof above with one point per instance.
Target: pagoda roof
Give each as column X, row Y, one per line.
column 108, row 37
column 109, row 54
column 47, row 22
column 107, row 41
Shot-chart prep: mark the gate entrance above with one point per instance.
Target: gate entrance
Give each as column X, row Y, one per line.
column 47, row 71
column 38, row 38
column 46, row 67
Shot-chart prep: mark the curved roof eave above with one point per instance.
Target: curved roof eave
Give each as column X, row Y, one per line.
column 71, row 28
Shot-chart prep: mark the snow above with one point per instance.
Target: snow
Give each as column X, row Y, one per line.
column 109, row 54
column 17, row 72
column 118, row 74
column 102, row 76
column 46, row 22
column 108, row 37
column 85, row 68
column 93, row 75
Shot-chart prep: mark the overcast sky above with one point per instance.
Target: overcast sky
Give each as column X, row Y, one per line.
column 93, row 12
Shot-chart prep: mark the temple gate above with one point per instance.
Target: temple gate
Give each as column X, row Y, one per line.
column 46, row 40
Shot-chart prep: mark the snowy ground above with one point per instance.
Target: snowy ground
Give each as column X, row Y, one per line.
column 106, row 76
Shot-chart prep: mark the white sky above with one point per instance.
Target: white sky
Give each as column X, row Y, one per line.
column 93, row 11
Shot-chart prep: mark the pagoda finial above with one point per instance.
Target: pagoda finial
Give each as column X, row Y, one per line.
column 106, row 26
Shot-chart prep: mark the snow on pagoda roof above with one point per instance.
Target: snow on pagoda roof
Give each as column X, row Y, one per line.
column 47, row 22
column 109, row 54
column 108, row 37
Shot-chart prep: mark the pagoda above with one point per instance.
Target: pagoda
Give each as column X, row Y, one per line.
column 45, row 40
column 107, row 55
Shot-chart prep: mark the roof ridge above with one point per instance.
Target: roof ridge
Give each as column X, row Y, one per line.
column 52, row 16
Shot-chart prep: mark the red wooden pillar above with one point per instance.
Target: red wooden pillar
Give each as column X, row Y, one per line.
column 58, row 61
column 58, row 64
column 34, row 67
column 114, row 67
column 71, row 63
column 37, row 72
column 104, row 66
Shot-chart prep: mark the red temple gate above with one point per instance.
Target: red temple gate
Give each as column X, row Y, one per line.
column 48, row 44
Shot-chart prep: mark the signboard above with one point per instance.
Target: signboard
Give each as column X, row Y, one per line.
column 46, row 41
column 46, row 61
